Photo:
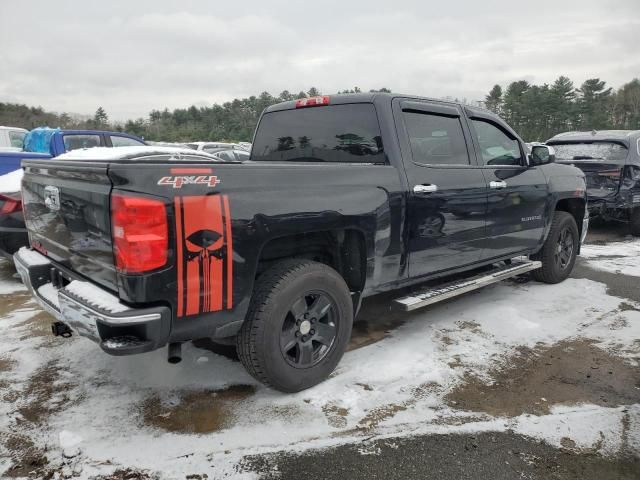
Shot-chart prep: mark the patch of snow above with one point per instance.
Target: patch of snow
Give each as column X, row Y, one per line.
column 11, row 182
column 31, row 257
column 50, row 294
column 619, row 257
column 69, row 443
column 107, row 153
column 96, row 296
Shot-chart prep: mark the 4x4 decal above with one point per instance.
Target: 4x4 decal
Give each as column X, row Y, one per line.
column 190, row 176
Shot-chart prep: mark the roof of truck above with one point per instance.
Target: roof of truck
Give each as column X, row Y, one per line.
column 370, row 97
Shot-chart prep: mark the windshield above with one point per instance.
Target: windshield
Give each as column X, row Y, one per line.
column 339, row 133
column 591, row 151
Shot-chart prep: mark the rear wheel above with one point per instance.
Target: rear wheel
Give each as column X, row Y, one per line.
column 298, row 325
column 558, row 254
column 634, row 222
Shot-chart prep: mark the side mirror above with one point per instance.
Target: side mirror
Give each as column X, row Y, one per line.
column 542, row 155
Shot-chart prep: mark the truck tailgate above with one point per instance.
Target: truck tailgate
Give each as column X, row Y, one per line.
column 67, row 211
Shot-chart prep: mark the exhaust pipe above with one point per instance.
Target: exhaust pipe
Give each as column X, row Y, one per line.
column 175, row 353
column 61, row 329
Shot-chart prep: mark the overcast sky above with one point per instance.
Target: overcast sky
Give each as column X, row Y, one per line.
column 132, row 56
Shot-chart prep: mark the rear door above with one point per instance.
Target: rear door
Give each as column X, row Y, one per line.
column 447, row 200
column 517, row 193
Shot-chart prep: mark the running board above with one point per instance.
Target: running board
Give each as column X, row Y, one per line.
column 458, row 287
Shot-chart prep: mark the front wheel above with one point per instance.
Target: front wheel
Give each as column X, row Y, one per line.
column 558, row 254
column 298, row 325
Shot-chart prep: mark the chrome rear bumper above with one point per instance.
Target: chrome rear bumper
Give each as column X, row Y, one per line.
column 91, row 311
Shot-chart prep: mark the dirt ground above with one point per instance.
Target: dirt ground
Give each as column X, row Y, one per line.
column 528, row 381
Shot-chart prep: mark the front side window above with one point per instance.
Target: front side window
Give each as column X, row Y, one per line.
column 436, row 139
column 73, row 142
column 334, row 133
column 16, row 138
column 496, row 147
column 118, row 141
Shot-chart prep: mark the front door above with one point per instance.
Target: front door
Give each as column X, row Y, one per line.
column 448, row 198
column 517, row 193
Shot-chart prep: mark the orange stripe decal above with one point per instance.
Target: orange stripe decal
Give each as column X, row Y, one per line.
column 179, row 237
column 229, row 259
column 204, row 254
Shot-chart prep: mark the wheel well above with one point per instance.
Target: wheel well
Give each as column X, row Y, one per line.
column 342, row 250
column 574, row 206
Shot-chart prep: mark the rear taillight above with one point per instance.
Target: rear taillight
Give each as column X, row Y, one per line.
column 140, row 233
column 9, row 205
column 312, row 101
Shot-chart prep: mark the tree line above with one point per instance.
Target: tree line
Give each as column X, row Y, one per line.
column 536, row 112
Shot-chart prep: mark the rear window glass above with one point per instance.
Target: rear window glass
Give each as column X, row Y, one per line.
column 73, row 142
column 337, row 133
column 590, row 151
column 118, row 141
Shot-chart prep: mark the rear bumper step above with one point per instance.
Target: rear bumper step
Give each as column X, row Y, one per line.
column 458, row 287
column 92, row 312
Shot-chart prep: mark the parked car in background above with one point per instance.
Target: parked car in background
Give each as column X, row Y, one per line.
column 11, row 138
column 610, row 160
column 211, row 147
column 167, row 144
column 230, row 155
column 43, row 143
column 13, row 233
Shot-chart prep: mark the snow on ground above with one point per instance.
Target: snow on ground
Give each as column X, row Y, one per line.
column 120, row 410
column 619, row 257
column 11, row 182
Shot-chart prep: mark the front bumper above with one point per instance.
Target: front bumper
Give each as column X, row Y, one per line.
column 90, row 311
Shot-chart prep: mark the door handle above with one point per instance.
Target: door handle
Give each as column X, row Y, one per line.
column 424, row 189
column 498, row 185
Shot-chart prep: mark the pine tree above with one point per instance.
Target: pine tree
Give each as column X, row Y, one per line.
column 100, row 119
column 493, row 101
column 595, row 103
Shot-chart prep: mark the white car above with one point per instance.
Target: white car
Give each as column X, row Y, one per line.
column 11, row 138
column 211, row 147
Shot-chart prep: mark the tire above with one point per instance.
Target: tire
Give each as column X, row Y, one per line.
column 558, row 254
column 298, row 325
column 634, row 222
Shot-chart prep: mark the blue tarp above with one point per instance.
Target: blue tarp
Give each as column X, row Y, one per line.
column 39, row 140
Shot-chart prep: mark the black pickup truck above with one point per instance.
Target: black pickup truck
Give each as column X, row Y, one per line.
column 344, row 197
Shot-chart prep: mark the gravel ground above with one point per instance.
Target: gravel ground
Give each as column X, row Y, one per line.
column 515, row 381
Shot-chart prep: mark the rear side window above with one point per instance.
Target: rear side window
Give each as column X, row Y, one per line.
column 436, row 139
column 73, row 142
column 16, row 138
column 118, row 141
column 336, row 133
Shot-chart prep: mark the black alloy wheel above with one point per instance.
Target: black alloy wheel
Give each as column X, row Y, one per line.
column 309, row 329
